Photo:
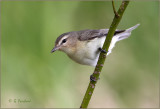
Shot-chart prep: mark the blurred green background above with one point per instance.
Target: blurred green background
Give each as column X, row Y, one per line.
column 130, row 77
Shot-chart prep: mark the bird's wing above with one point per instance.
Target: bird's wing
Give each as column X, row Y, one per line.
column 91, row 34
column 88, row 34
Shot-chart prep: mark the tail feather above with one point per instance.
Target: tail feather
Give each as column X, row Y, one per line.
column 126, row 33
column 132, row 28
column 121, row 36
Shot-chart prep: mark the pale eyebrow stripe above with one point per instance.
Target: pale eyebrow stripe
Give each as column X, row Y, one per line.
column 64, row 37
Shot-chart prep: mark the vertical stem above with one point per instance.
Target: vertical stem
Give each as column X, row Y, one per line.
column 114, row 9
column 102, row 56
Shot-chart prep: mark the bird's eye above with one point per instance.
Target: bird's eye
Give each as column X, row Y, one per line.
column 64, row 40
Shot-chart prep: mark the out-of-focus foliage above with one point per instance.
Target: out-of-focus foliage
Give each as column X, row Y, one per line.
column 29, row 71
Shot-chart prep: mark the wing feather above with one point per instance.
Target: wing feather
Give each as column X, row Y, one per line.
column 91, row 34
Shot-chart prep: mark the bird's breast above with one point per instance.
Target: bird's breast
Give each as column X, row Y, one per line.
column 86, row 52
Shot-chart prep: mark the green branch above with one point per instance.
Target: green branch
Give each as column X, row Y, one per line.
column 102, row 57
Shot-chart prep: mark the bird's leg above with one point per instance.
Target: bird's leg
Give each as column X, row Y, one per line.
column 101, row 50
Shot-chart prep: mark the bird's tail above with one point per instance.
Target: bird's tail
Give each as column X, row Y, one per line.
column 120, row 36
column 126, row 33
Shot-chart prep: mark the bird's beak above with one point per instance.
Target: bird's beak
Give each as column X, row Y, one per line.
column 54, row 49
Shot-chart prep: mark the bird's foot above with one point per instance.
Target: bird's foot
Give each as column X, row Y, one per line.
column 101, row 50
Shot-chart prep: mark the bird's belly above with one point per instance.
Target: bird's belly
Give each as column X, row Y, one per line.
column 84, row 60
column 88, row 55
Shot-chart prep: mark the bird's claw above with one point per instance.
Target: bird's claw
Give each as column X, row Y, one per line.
column 101, row 50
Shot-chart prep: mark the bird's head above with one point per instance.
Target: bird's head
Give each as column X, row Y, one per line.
column 65, row 42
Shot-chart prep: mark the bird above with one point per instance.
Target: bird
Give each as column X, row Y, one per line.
column 85, row 46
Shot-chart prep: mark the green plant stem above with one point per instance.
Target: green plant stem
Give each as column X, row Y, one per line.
column 102, row 56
